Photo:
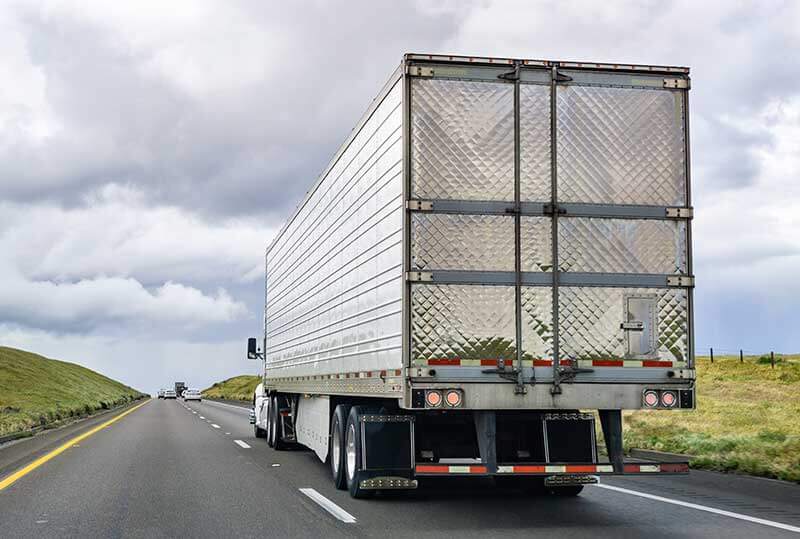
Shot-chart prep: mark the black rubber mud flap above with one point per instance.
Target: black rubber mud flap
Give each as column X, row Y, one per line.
column 611, row 421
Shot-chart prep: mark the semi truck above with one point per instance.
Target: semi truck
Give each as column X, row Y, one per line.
column 179, row 388
column 497, row 257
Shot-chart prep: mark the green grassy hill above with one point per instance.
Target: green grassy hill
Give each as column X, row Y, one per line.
column 237, row 388
column 37, row 391
column 746, row 419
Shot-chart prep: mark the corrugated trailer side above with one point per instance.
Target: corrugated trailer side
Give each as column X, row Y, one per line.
column 334, row 275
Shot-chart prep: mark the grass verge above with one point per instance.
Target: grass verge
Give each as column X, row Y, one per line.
column 238, row 388
column 39, row 392
column 747, row 419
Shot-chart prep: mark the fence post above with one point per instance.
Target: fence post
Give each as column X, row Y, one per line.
column 711, row 353
column 772, row 359
column 741, row 357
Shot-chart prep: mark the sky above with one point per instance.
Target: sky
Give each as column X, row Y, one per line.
column 150, row 150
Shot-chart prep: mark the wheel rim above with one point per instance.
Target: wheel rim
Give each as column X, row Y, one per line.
column 336, row 449
column 350, row 452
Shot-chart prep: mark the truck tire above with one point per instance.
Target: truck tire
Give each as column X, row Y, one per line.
column 275, row 435
column 352, row 454
column 337, row 445
column 259, row 432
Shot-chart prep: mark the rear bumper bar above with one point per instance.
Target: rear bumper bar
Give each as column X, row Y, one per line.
column 631, row 468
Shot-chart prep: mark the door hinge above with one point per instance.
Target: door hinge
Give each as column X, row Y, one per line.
column 680, row 84
column 419, row 205
column 683, row 281
column 419, row 71
column 419, row 276
column 680, row 213
column 560, row 77
column 511, row 75
column 553, row 209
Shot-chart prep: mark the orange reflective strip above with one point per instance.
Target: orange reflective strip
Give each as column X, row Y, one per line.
column 528, row 469
column 444, row 361
column 607, row 363
column 431, row 468
column 591, row 468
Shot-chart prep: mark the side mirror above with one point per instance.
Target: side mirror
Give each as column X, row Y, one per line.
column 252, row 349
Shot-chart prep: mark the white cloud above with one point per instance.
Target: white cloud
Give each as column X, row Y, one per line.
column 116, row 261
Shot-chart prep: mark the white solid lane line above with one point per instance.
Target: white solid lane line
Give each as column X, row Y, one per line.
column 705, row 508
column 242, row 444
column 328, row 505
column 215, row 425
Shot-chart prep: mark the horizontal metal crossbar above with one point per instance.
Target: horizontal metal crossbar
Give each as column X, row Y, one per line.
column 611, row 280
column 572, row 75
column 566, row 209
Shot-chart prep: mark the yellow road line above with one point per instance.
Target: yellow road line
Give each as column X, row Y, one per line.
column 22, row 472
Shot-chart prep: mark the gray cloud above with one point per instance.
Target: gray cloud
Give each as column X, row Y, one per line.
column 148, row 154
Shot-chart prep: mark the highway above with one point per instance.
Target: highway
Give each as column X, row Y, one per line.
column 171, row 469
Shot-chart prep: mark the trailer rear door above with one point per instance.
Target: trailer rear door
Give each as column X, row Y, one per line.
column 518, row 170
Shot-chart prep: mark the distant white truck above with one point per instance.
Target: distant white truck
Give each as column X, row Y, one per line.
column 499, row 253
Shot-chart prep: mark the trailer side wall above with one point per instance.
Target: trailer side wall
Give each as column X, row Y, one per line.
column 334, row 273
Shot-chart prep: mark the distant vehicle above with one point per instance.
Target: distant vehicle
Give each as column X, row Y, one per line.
column 192, row 395
column 160, row 393
column 179, row 388
column 456, row 297
column 170, row 394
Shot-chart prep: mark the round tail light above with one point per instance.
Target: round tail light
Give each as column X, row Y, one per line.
column 453, row 397
column 669, row 399
column 433, row 398
column 650, row 399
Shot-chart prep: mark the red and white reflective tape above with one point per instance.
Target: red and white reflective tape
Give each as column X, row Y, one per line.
column 451, row 469
column 556, row 469
column 443, row 469
column 457, row 362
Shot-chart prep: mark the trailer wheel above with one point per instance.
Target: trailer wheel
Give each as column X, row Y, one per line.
column 352, row 454
column 268, row 431
column 275, row 435
column 336, row 449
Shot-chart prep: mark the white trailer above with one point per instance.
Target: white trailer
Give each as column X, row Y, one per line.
column 499, row 253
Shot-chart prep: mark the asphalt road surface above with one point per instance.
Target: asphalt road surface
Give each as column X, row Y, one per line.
column 174, row 469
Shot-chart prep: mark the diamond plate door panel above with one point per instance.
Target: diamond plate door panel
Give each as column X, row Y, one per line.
column 462, row 140
column 462, row 242
column 621, row 146
column 537, row 322
column 463, row 322
column 534, row 138
column 621, row 245
column 536, row 247
column 591, row 323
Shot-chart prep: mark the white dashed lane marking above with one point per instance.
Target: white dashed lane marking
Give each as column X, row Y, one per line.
column 215, row 425
column 242, row 444
column 328, row 505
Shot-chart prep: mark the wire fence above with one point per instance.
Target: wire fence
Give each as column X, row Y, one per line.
column 742, row 355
